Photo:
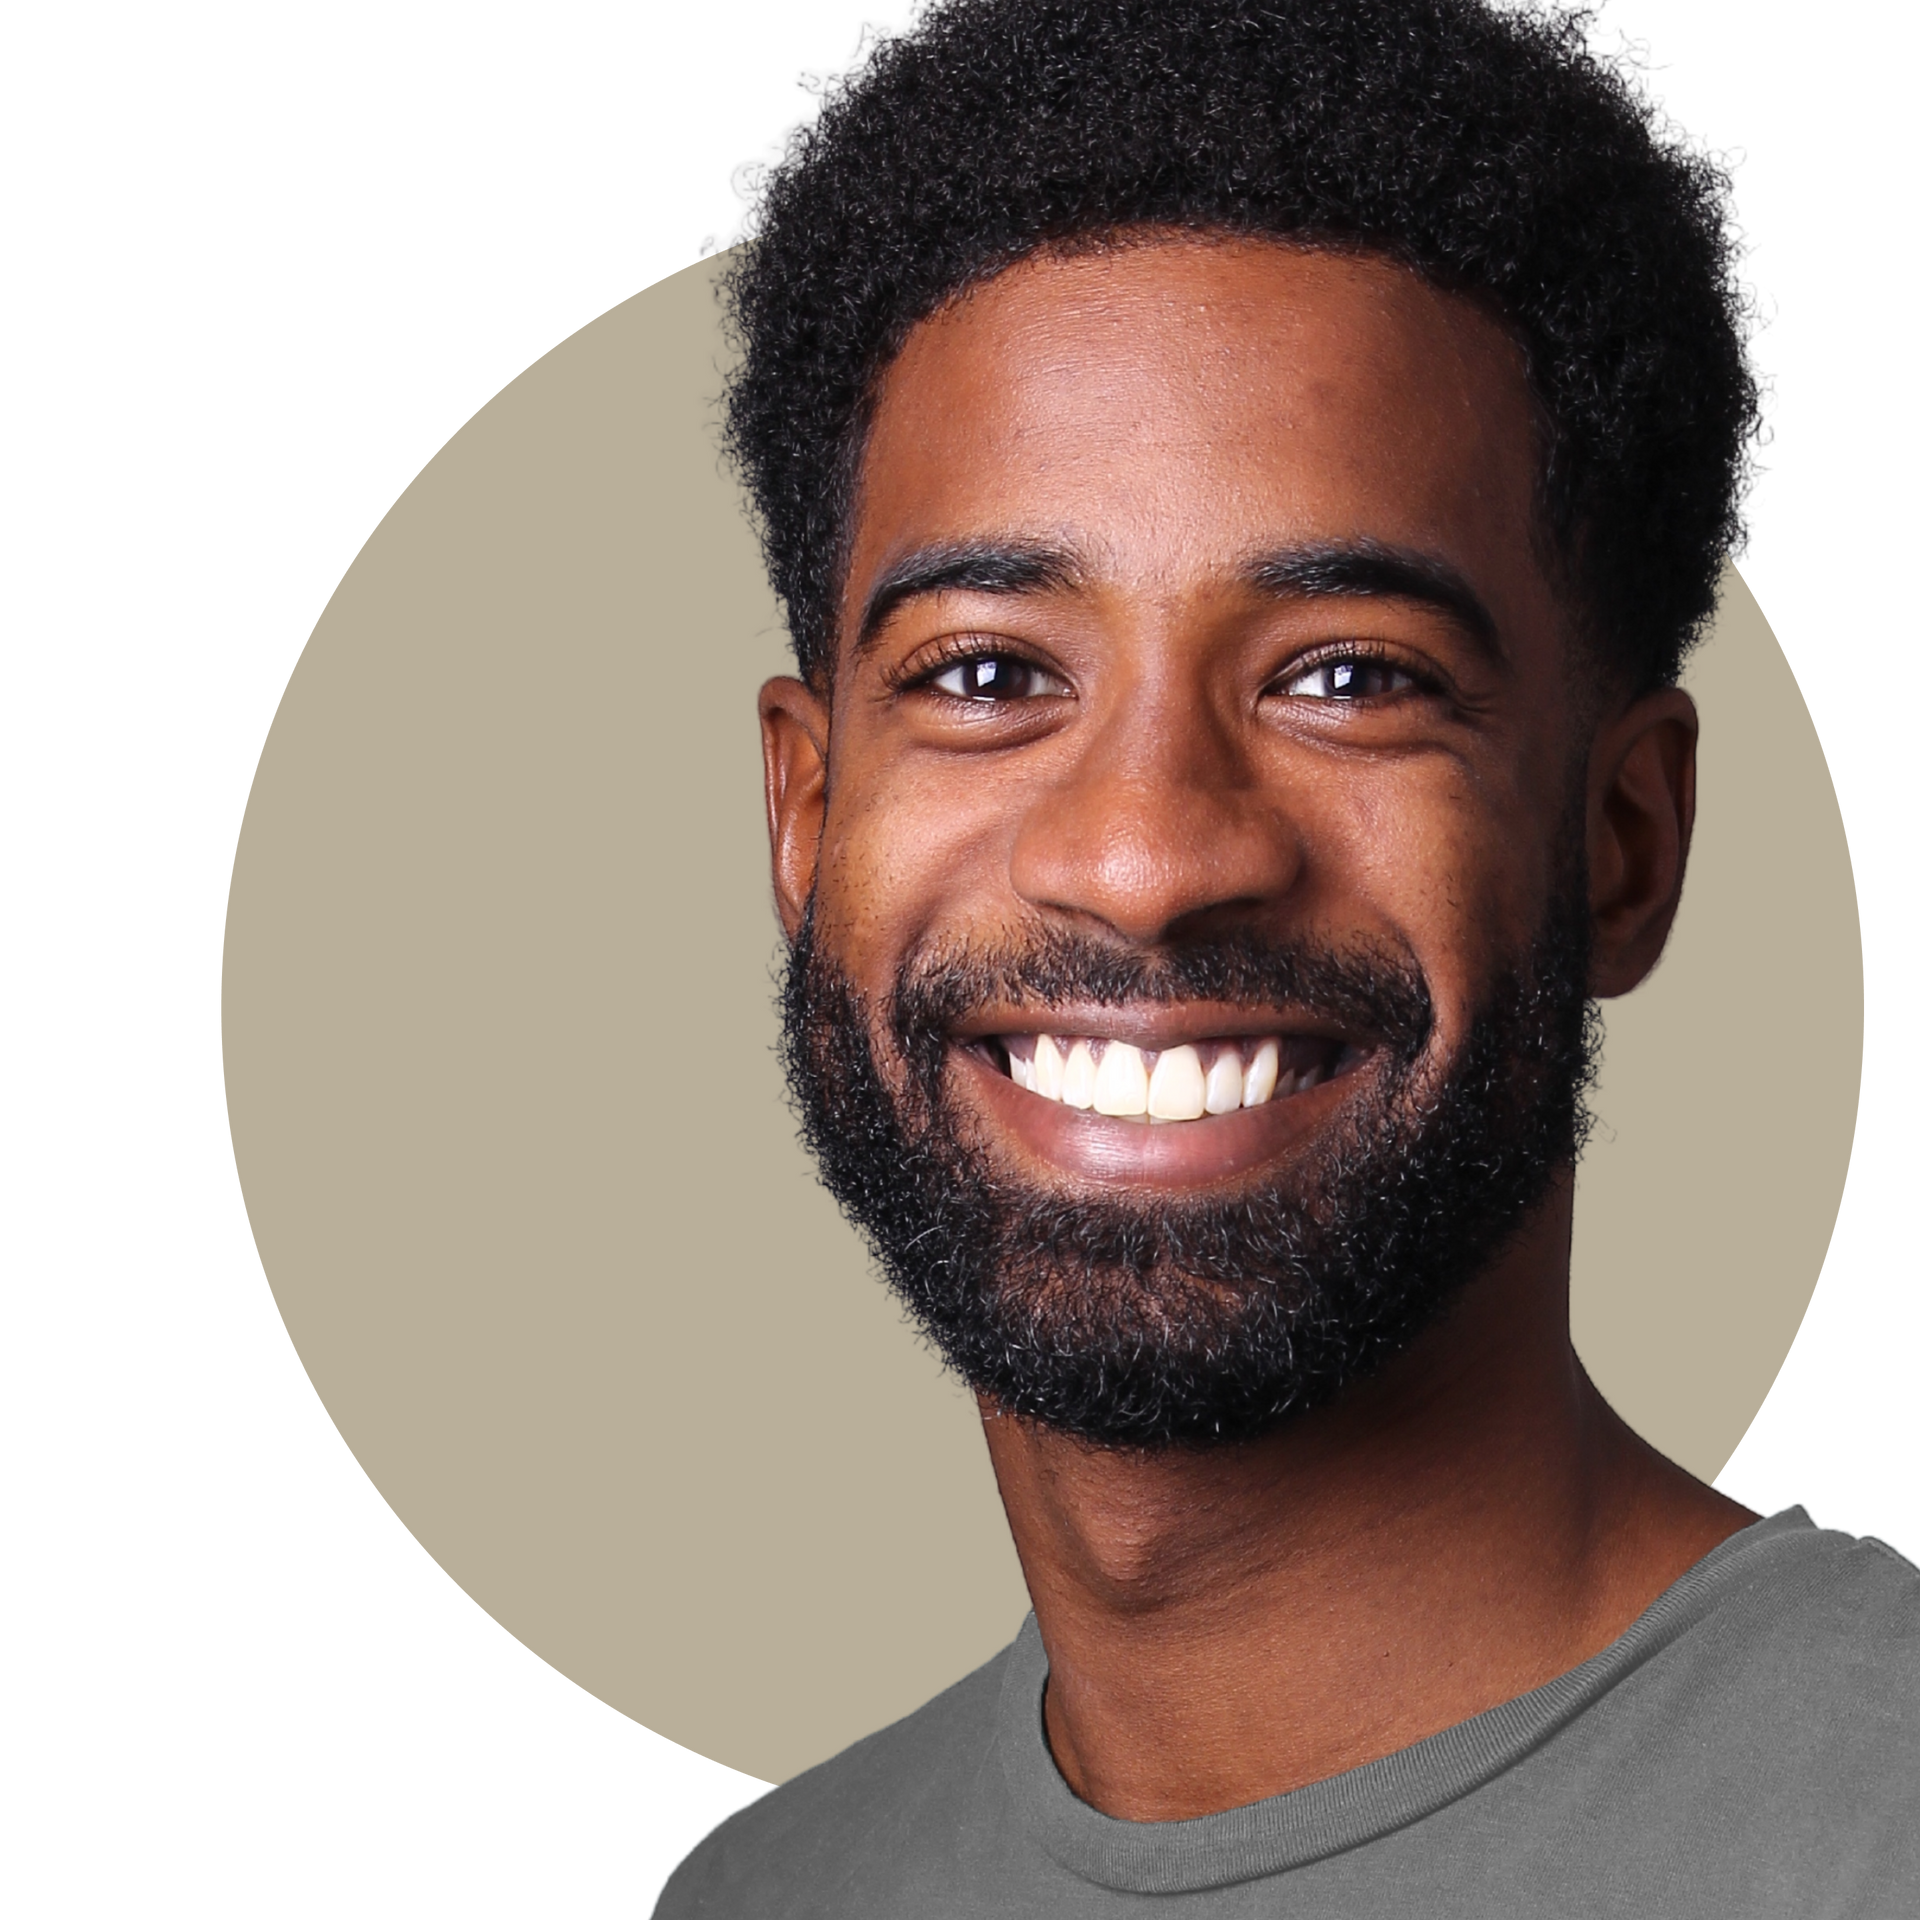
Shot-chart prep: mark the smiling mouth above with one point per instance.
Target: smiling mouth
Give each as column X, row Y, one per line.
column 1196, row 1081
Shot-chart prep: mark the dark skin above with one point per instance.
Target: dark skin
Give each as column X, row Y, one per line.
column 1134, row 721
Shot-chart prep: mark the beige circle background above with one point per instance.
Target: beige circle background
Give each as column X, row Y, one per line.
column 499, row 1050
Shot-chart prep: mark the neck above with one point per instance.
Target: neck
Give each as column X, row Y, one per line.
column 1229, row 1624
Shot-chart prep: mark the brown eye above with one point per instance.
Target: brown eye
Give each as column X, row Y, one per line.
column 1349, row 679
column 994, row 676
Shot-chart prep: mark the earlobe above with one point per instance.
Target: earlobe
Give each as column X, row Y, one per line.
column 793, row 747
column 1639, row 827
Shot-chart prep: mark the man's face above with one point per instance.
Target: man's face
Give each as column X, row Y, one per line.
column 1202, row 739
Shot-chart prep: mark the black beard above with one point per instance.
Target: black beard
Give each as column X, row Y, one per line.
column 1155, row 1322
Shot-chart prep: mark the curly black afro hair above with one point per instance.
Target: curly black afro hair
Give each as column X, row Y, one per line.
column 1490, row 151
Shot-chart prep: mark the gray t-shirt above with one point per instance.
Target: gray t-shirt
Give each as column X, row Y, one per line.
column 1749, row 1747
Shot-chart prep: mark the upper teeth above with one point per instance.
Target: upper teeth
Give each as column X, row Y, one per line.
column 1176, row 1084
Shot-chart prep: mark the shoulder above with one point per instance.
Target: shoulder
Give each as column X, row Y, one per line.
column 895, row 1793
column 1803, row 1677
column 1845, row 1625
column 1838, row 1601
column 1798, row 1619
column 1792, row 1737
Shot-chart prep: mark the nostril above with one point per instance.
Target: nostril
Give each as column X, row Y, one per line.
column 1218, row 918
column 1154, row 875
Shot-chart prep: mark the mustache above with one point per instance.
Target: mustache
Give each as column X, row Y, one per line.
column 1372, row 991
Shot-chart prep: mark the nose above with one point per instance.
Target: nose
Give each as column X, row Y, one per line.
column 1159, row 826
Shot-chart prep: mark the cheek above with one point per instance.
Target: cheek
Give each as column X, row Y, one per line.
column 1435, row 856
column 907, row 853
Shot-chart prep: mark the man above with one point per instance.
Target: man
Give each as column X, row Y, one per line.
column 1243, row 476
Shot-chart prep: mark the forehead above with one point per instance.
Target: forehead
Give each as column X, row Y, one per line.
column 1169, row 407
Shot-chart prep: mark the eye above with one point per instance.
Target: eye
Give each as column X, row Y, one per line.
column 993, row 677
column 1348, row 677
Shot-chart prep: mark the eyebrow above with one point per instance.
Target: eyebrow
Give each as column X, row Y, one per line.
column 1324, row 569
column 973, row 566
column 1370, row 569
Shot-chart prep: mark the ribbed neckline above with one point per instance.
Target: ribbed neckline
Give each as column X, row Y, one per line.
column 1347, row 1809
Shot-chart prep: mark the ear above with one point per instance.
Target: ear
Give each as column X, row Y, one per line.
column 793, row 747
column 1639, row 826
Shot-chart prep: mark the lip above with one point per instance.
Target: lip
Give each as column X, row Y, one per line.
column 1097, row 1151
column 1150, row 1028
